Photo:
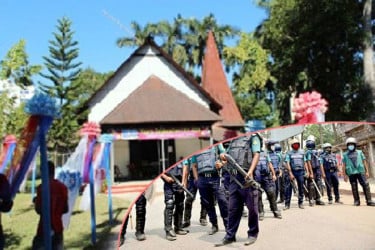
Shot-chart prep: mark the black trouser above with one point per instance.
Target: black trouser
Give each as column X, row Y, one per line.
column 140, row 210
column 174, row 205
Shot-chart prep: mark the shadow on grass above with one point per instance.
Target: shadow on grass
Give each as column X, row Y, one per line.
column 103, row 234
column 25, row 210
column 11, row 239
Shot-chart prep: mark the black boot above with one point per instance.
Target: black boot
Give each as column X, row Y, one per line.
column 273, row 205
column 140, row 218
column 214, row 229
column 355, row 194
column 187, row 213
column 178, row 219
column 367, row 192
column 260, row 207
column 203, row 216
column 168, row 218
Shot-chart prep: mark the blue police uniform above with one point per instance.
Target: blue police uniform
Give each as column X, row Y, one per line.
column 296, row 160
column 263, row 175
column 174, row 202
column 329, row 162
column 276, row 160
column 209, row 186
column 192, row 187
column 242, row 150
column 312, row 156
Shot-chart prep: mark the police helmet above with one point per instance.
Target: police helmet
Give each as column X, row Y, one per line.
column 277, row 147
column 326, row 145
column 270, row 142
column 351, row 140
column 310, row 144
column 311, row 138
column 294, row 141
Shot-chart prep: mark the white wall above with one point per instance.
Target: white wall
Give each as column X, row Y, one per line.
column 132, row 76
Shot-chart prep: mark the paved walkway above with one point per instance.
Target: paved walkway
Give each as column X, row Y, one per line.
column 156, row 235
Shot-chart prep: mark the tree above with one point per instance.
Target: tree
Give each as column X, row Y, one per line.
column 368, row 51
column 12, row 117
column 314, row 46
column 184, row 39
column 62, row 72
column 89, row 81
column 250, row 79
column 323, row 133
column 15, row 66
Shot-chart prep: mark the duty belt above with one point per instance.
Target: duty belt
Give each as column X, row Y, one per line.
column 234, row 171
column 209, row 174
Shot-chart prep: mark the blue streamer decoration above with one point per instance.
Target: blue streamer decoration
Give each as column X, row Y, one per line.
column 45, row 107
column 108, row 139
column 8, row 157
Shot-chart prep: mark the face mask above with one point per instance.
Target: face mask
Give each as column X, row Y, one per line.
column 328, row 151
column 273, row 148
column 295, row 146
column 351, row 147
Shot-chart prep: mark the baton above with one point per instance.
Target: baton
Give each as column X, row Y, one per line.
column 181, row 186
column 248, row 182
column 316, row 187
column 234, row 178
column 293, row 184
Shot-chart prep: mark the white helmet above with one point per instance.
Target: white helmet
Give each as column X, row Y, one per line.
column 294, row 140
column 327, row 145
column 310, row 138
column 351, row 140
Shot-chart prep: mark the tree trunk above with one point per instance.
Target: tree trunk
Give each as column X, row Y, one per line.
column 368, row 53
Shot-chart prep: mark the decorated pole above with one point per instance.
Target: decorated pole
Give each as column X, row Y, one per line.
column 9, row 145
column 91, row 130
column 107, row 140
column 309, row 107
column 42, row 110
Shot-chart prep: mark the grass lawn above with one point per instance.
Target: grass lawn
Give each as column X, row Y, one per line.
column 20, row 224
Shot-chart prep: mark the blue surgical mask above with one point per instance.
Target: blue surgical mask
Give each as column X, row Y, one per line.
column 351, row 147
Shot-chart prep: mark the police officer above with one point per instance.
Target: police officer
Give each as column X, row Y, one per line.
column 192, row 187
column 208, row 182
column 245, row 150
column 356, row 170
column 266, row 176
column 174, row 201
column 329, row 163
column 315, row 172
column 140, row 208
column 276, row 160
column 296, row 167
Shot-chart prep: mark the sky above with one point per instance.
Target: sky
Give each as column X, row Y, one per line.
column 98, row 24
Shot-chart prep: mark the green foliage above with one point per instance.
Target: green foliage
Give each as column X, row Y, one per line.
column 323, row 133
column 250, row 79
column 12, row 118
column 62, row 73
column 184, row 39
column 89, row 81
column 314, row 46
column 15, row 65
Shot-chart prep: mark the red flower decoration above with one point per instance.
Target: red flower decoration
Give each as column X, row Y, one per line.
column 310, row 107
column 10, row 139
column 90, row 128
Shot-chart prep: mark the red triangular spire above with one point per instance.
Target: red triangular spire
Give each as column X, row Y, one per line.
column 215, row 83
